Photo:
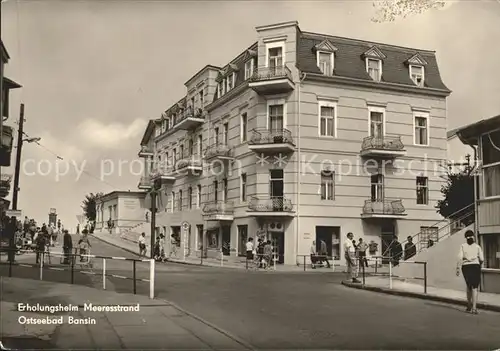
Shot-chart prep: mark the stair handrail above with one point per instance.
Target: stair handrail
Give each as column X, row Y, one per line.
column 446, row 219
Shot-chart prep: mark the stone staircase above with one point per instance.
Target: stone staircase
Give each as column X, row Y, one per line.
column 132, row 234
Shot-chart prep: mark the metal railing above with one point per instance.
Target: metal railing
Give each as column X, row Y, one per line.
column 270, row 73
column 67, row 261
column 189, row 161
column 270, row 204
column 265, row 136
column 218, row 207
column 384, row 207
column 189, row 112
column 389, row 143
column 218, row 150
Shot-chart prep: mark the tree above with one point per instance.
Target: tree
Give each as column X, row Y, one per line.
column 390, row 10
column 89, row 206
column 458, row 195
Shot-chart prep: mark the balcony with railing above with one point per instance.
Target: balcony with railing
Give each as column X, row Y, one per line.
column 383, row 209
column 219, row 151
column 385, row 147
column 146, row 152
column 271, row 80
column 165, row 174
column 5, row 182
column 218, row 211
column 190, row 163
column 265, row 205
column 190, row 118
column 145, row 183
column 264, row 140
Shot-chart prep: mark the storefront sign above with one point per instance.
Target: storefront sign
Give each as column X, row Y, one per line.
column 15, row 213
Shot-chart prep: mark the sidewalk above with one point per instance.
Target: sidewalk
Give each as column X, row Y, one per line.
column 227, row 262
column 401, row 287
column 157, row 325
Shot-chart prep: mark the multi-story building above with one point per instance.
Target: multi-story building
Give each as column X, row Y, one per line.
column 302, row 137
column 120, row 211
column 485, row 137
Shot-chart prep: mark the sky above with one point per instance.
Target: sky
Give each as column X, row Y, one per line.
column 94, row 72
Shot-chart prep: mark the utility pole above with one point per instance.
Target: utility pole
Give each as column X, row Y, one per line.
column 18, row 158
column 153, row 218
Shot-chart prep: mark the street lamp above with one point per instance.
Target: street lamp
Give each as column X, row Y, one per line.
column 31, row 140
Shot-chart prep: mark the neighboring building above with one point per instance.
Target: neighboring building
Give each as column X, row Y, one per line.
column 458, row 153
column 485, row 135
column 125, row 209
column 274, row 142
column 6, row 132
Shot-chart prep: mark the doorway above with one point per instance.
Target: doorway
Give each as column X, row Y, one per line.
column 226, row 240
column 387, row 233
column 278, row 242
column 331, row 236
column 276, row 190
column 242, row 240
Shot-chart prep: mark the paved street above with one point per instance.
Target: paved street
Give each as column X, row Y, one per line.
column 303, row 310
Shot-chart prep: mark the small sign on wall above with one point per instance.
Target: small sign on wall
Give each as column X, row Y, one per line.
column 307, row 236
column 498, row 255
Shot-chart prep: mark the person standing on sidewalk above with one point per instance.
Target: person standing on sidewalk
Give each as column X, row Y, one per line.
column 362, row 247
column 350, row 257
column 142, row 245
column 67, row 246
column 249, row 249
column 470, row 259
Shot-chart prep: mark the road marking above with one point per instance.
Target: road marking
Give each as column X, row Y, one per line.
column 26, row 265
column 118, row 258
column 57, row 269
column 87, row 272
column 145, row 280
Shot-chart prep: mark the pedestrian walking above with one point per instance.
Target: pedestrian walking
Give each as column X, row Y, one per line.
column 249, row 249
column 323, row 253
column 395, row 251
column 410, row 249
column 84, row 246
column 350, row 256
column 313, row 255
column 78, row 229
column 142, row 245
column 268, row 254
column 41, row 242
column 470, row 259
column 362, row 247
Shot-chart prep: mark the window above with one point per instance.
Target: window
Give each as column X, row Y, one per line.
column 192, row 103
column 325, row 62
column 198, row 195
column 377, row 187
column 427, row 234
column 216, row 190
column 190, row 147
column 248, row 69
column 180, row 200
column 200, row 145
column 190, row 198
column 174, row 157
column 172, row 204
column 276, row 118
column 490, row 147
column 491, row 244
column 422, row 191
column 201, row 95
column 244, row 127
column 226, row 133
column 230, row 81
column 242, row 239
column 374, row 69
column 417, row 75
column 243, row 187
column 219, row 89
column 421, row 130
column 216, row 135
column 275, row 58
column 327, row 185
column 327, row 119
column 376, row 123
column 181, row 152
column 225, row 190
column 491, row 180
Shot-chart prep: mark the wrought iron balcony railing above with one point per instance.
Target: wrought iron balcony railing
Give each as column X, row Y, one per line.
column 387, row 143
column 270, row 73
column 265, row 136
column 189, row 161
column 190, row 112
column 270, row 204
column 384, row 207
column 218, row 150
column 218, row 208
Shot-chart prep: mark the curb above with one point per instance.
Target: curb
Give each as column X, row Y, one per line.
column 482, row 305
column 213, row 326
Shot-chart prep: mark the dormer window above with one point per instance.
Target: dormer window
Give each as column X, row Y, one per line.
column 416, row 67
column 325, row 56
column 373, row 59
column 417, row 75
column 249, row 68
column 325, row 62
column 230, row 81
column 374, row 68
column 219, row 89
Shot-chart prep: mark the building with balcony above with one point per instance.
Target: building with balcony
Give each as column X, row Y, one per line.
column 124, row 210
column 485, row 136
column 302, row 137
